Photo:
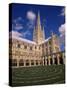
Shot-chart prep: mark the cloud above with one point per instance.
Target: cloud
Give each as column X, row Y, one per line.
column 62, row 12
column 31, row 15
column 30, row 25
column 62, row 30
column 17, row 20
column 27, row 33
column 14, row 34
column 18, row 26
column 62, row 36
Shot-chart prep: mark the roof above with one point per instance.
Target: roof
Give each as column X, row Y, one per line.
column 46, row 40
column 28, row 41
column 24, row 40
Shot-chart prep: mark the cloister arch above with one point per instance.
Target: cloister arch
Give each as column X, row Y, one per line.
column 27, row 62
column 36, row 62
column 14, row 62
column 55, row 58
column 32, row 62
column 21, row 62
column 61, row 59
column 51, row 61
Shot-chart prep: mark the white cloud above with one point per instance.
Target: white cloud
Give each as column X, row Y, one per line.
column 18, row 27
column 17, row 24
column 62, row 30
column 14, row 34
column 62, row 12
column 62, row 35
column 31, row 15
column 17, row 19
column 26, row 33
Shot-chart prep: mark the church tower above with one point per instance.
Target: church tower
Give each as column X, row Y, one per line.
column 38, row 33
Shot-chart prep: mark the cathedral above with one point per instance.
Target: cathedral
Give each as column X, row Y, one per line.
column 39, row 52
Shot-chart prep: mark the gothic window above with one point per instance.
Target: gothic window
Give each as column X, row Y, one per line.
column 18, row 45
column 35, row 47
column 30, row 48
column 46, row 44
column 49, row 42
column 25, row 47
column 50, row 49
column 46, row 51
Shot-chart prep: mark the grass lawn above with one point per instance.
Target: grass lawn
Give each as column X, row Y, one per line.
column 39, row 75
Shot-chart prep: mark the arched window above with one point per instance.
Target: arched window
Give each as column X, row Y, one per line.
column 56, row 60
column 61, row 59
column 31, row 48
column 27, row 62
column 25, row 46
column 36, row 62
column 14, row 62
column 21, row 63
column 18, row 45
column 41, row 62
column 32, row 62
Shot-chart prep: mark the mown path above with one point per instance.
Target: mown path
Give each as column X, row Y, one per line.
column 39, row 75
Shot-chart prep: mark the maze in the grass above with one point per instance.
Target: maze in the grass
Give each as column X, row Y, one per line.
column 38, row 75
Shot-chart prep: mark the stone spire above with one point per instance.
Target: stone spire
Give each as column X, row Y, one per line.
column 38, row 32
column 34, row 34
column 38, row 22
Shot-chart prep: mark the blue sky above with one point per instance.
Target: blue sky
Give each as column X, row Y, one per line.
column 24, row 19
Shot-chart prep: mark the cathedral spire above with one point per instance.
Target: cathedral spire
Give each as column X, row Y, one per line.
column 38, row 33
column 34, row 34
column 38, row 21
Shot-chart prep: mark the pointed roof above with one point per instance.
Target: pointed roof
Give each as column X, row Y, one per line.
column 38, row 21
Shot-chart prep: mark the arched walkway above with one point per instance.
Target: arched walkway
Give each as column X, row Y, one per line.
column 14, row 62
column 51, row 62
column 21, row 62
column 47, row 61
column 36, row 62
column 55, row 60
column 27, row 62
column 32, row 62
column 41, row 62
column 61, row 59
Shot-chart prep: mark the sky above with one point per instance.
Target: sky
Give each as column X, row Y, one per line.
column 24, row 17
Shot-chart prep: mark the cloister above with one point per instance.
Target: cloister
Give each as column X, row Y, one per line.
column 52, row 59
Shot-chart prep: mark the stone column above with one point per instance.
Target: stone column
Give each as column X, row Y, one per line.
column 58, row 59
column 43, row 61
column 24, row 63
column 63, row 57
column 39, row 62
column 34, row 62
column 17, row 62
column 46, row 61
column 53, row 60
column 49, row 60
column 29, row 62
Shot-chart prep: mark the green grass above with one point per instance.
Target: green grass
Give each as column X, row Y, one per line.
column 39, row 75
